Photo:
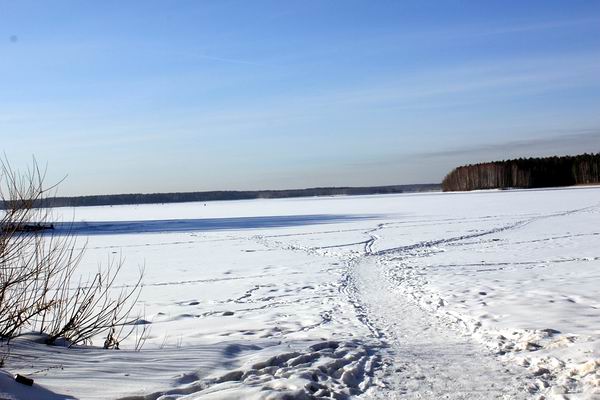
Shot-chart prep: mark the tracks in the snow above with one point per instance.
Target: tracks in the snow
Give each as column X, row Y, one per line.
column 424, row 360
column 422, row 357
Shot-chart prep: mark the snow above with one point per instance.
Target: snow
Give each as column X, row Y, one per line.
column 480, row 295
column 11, row 390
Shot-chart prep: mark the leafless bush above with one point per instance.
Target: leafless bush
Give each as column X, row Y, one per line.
column 93, row 307
column 39, row 287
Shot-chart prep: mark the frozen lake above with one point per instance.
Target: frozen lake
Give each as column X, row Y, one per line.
column 475, row 295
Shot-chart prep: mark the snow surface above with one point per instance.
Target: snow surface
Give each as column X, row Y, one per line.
column 477, row 295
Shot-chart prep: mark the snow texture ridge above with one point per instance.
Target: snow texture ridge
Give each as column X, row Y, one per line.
column 484, row 295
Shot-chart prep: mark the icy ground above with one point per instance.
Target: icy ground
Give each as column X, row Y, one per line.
column 478, row 295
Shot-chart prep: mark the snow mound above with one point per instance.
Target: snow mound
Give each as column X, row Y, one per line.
column 12, row 390
column 325, row 370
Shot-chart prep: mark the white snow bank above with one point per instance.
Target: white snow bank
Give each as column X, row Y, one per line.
column 13, row 390
column 324, row 370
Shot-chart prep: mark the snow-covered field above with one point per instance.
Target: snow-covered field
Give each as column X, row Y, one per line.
column 476, row 295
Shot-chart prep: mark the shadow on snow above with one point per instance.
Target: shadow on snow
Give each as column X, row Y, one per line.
column 207, row 224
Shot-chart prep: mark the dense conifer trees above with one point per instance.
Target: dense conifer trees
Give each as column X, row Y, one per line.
column 526, row 173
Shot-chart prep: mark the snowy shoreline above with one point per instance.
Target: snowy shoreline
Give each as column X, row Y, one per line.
column 345, row 297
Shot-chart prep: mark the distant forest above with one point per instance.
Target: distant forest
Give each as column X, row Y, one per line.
column 115, row 199
column 526, row 173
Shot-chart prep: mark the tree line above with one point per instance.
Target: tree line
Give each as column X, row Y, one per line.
column 179, row 197
column 526, row 173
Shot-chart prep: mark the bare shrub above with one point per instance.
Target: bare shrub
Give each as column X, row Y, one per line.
column 39, row 287
column 93, row 307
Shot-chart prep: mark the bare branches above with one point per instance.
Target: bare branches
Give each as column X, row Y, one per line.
column 92, row 308
column 39, row 287
column 30, row 263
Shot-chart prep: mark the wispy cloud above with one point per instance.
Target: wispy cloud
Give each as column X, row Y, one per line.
column 435, row 88
column 568, row 143
column 236, row 61
column 562, row 142
column 539, row 26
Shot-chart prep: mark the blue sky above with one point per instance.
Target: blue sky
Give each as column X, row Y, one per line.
column 154, row 96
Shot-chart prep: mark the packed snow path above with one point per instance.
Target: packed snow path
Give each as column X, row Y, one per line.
column 424, row 360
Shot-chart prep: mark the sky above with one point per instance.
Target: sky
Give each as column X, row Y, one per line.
column 164, row 96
